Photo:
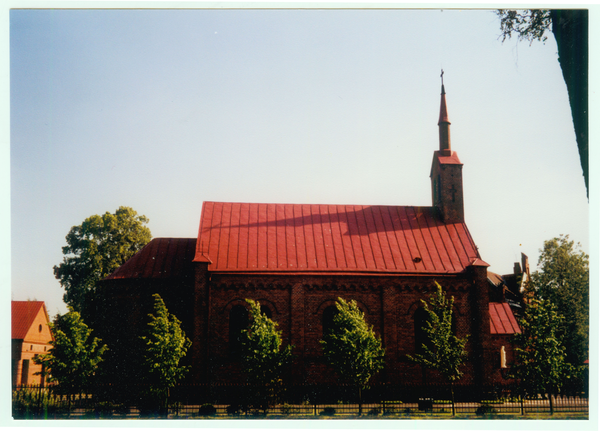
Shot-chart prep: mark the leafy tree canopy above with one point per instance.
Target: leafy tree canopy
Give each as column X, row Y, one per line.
column 263, row 357
column 262, row 352
column 95, row 249
column 352, row 347
column 541, row 360
column 74, row 357
column 164, row 345
column 442, row 351
column 530, row 24
column 563, row 280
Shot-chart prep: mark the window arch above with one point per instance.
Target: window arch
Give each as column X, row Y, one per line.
column 264, row 309
column 328, row 315
column 238, row 321
column 420, row 320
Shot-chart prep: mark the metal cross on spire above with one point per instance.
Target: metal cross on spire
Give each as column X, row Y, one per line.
column 442, row 76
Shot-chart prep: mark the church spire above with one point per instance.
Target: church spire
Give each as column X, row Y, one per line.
column 446, row 173
column 444, row 123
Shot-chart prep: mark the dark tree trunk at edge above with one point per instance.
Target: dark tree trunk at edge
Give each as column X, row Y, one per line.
column 570, row 28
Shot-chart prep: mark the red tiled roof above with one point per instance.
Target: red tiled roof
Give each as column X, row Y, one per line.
column 160, row 258
column 502, row 319
column 243, row 237
column 23, row 313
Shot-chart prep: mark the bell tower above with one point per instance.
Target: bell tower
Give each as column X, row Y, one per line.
column 446, row 172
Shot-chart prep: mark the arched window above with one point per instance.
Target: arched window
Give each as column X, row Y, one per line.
column 420, row 320
column 421, row 338
column 328, row 315
column 266, row 311
column 238, row 321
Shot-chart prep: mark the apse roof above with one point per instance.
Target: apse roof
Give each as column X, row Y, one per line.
column 160, row 258
column 255, row 237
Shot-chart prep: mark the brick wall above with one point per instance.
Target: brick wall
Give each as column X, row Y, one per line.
column 297, row 304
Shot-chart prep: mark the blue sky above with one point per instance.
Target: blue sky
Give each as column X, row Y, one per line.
column 161, row 110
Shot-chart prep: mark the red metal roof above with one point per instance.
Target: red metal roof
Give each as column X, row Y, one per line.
column 160, row 258
column 502, row 319
column 242, row 237
column 23, row 313
column 447, row 159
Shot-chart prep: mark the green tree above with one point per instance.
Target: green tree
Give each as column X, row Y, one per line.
column 74, row 357
column 263, row 357
column 94, row 250
column 163, row 346
column 540, row 356
column 352, row 348
column 443, row 351
column 563, row 280
column 570, row 29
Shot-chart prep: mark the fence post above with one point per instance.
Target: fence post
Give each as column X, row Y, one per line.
column 522, row 407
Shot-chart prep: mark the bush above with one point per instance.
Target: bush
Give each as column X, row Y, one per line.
column 390, row 407
column 287, row 409
column 485, row 409
column 207, row 410
column 35, row 403
column 327, row 411
column 150, row 407
column 176, row 407
column 374, row 412
column 234, row 409
column 104, row 409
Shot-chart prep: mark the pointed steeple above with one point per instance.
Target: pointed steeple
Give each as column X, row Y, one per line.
column 446, row 172
column 444, row 123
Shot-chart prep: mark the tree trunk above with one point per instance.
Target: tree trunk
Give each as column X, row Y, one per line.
column 452, row 391
column 359, row 401
column 570, row 29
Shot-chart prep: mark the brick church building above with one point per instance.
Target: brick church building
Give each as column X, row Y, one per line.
column 297, row 259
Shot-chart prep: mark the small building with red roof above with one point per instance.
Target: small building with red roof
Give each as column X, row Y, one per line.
column 297, row 260
column 31, row 336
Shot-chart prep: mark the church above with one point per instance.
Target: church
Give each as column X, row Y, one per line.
column 297, row 259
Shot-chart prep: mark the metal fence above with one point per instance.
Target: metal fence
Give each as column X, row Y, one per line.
column 204, row 401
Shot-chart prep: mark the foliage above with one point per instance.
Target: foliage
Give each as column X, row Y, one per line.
column 485, row 409
column 287, row 409
column 74, row 357
column 540, row 362
column 327, row 411
column 530, row 24
column 263, row 357
column 207, row 410
column 164, row 345
column 352, row 347
column 443, row 351
column 563, row 280
column 95, row 249
column 28, row 403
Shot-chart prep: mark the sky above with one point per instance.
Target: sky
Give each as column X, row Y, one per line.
column 160, row 110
